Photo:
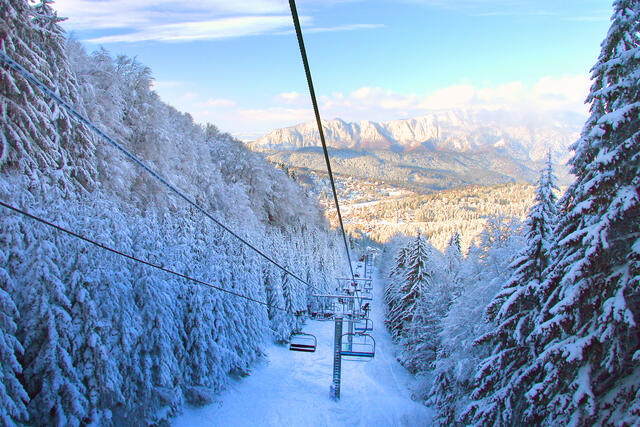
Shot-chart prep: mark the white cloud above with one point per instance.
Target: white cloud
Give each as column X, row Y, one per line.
column 547, row 95
column 203, row 30
column 290, row 98
column 88, row 14
column 175, row 21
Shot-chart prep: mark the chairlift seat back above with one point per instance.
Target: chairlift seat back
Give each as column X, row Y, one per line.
column 303, row 342
column 361, row 349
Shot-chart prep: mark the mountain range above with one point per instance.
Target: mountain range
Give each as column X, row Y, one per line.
column 443, row 149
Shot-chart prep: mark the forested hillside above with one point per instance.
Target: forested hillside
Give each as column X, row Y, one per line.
column 538, row 324
column 465, row 211
column 89, row 337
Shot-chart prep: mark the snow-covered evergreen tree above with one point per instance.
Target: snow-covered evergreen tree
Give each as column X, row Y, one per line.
column 12, row 395
column 417, row 275
column 396, row 277
column 587, row 341
column 95, row 365
column 453, row 253
column 498, row 389
column 482, row 274
column 56, row 391
column 39, row 136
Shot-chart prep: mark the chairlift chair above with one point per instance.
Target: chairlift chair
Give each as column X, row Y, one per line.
column 303, row 342
column 362, row 347
column 364, row 325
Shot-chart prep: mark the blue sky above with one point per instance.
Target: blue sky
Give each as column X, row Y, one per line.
column 236, row 63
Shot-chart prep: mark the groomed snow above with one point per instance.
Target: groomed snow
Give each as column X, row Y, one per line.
column 292, row 389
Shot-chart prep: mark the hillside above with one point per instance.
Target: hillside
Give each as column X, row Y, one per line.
column 422, row 171
column 170, row 312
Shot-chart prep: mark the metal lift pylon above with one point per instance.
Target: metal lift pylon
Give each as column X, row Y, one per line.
column 334, row 390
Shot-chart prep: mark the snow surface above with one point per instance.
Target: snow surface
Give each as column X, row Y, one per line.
column 292, row 389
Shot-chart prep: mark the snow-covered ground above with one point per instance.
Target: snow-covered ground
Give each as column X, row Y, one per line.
column 292, row 389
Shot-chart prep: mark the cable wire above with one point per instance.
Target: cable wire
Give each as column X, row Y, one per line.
column 307, row 70
column 50, row 93
column 133, row 258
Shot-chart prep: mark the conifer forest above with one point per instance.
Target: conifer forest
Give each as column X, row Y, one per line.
column 155, row 270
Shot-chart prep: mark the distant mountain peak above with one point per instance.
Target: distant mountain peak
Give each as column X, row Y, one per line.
column 522, row 135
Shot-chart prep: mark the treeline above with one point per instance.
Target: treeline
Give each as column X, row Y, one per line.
column 86, row 336
column 540, row 327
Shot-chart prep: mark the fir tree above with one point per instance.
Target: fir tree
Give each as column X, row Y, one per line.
column 587, row 338
column 56, row 391
column 396, row 275
column 40, row 136
column 416, row 280
column 96, row 367
column 13, row 397
column 483, row 273
column 498, row 389
column 453, row 253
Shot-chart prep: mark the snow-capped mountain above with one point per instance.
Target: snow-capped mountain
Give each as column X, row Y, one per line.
column 520, row 135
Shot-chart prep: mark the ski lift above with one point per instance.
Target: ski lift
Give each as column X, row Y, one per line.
column 365, row 325
column 358, row 347
column 303, row 342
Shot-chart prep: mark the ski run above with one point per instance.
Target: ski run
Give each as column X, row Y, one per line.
column 289, row 388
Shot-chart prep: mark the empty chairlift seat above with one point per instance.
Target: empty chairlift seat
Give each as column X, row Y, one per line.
column 303, row 342
column 364, row 325
column 358, row 347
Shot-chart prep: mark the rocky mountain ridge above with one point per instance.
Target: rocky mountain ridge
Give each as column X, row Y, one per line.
column 522, row 136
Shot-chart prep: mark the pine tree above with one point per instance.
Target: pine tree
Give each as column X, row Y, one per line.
column 453, row 253
column 396, row 275
column 96, row 367
column 40, row 136
column 13, row 397
column 153, row 383
column 416, row 280
column 587, row 336
column 482, row 274
column 56, row 391
column 498, row 390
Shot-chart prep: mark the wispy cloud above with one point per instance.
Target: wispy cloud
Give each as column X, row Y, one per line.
column 289, row 98
column 91, row 14
column 591, row 9
column 349, row 27
column 547, row 96
column 128, row 21
column 266, row 116
column 201, row 30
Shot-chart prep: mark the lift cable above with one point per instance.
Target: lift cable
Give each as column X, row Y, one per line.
column 307, row 70
column 133, row 258
column 51, row 94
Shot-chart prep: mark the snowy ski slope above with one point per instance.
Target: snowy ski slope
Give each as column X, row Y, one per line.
column 292, row 389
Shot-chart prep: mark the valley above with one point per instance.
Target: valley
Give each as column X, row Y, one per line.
column 378, row 211
column 445, row 172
